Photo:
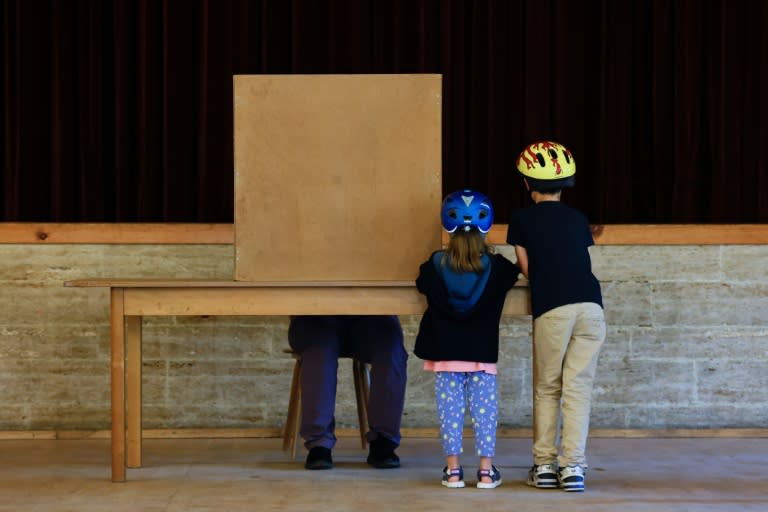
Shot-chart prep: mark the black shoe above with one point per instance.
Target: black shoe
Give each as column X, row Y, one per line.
column 382, row 455
column 319, row 458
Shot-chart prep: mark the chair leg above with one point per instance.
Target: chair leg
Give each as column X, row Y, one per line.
column 291, row 429
column 362, row 378
column 362, row 394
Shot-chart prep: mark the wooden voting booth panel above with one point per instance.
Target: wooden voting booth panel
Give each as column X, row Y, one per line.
column 337, row 177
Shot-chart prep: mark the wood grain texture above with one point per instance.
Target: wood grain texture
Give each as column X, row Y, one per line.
column 151, row 297
column 212, row 234
column 120, row 233
column 336, row 176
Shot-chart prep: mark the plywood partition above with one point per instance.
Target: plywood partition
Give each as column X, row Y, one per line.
column 337, row 177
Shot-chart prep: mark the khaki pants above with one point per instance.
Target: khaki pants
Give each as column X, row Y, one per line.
column 566, row 345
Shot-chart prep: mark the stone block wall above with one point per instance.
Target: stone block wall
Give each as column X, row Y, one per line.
column 687, row 344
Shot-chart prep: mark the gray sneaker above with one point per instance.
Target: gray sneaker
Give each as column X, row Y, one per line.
column 543, row 476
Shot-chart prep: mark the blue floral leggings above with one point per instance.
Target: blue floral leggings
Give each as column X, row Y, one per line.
column 454, row 390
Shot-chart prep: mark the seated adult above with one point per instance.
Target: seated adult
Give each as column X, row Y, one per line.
column 377, row 340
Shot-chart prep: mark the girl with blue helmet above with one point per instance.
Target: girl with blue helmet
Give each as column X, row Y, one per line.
column 465, row 285
column 467, row 209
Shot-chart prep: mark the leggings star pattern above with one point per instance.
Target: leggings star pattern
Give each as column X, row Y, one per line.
column 454, row 390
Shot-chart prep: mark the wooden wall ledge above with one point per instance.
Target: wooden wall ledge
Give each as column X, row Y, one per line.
column 118, row 233
column 193, row 233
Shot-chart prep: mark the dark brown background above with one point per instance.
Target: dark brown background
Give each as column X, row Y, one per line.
column 121, row 110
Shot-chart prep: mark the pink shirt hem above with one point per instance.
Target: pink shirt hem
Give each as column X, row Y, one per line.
column 460, row 366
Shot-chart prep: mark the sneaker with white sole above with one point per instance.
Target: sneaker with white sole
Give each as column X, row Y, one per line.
column 571, row 478
column 543, row 476
column 450, row 473
column 493, row 474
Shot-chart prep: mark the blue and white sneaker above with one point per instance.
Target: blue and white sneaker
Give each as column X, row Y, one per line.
column 571, row 478
column 543, row 476
column 493, row 474
column 449, row 473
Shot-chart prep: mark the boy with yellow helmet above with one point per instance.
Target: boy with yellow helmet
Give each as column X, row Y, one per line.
column 551, row 242
column 547, row 166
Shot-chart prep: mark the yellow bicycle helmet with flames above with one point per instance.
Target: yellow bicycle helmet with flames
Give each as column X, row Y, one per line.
column 547, row 165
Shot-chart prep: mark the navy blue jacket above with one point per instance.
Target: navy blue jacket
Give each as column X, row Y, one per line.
column 446, row 334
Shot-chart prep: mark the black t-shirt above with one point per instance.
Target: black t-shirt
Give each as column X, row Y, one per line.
column 556, row 238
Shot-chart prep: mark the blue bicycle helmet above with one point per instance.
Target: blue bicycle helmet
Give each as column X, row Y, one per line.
column 466, row 209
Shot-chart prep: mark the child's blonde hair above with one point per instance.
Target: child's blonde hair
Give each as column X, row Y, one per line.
column 465, row 250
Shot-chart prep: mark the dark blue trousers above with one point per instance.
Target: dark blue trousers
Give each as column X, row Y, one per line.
column 321, row 340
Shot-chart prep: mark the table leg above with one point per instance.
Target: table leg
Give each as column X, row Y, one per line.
column 118, row 384
column 133, row 389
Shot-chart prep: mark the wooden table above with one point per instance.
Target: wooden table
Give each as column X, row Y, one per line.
column 133, row 299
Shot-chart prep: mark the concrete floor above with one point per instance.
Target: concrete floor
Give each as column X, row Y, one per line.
column 199, row 475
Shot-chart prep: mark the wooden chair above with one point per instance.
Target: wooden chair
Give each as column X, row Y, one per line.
column 362, row 378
